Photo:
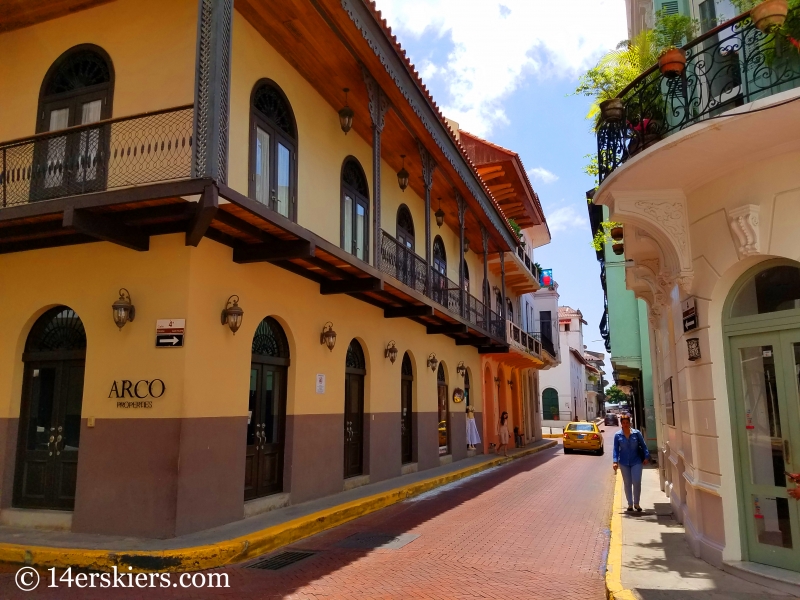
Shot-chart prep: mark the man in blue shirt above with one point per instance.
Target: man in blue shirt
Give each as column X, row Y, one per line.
column 630, row 453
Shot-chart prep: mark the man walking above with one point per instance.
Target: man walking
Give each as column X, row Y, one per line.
column 630, row 453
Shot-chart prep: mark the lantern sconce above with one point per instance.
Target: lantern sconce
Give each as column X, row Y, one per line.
column 402, row 175
column 693, row 344
column 232, row 314
column 497, row 380
column 439, row 214
column 510, row 383
column 461, row 369
column 391, row 351
column 433, row 361
column 466, row 241
column 123, row 309
column 346, row 114
column 328, row 336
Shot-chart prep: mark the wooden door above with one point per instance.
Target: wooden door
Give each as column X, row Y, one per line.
column 265, row 431
column 353, row 425
column 49, row 435
column 444, row 420
column 406, row 437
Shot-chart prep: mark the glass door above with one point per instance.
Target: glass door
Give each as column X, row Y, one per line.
column 765, row 377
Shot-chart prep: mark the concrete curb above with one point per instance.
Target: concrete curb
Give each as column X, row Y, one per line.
column 614, row 588
column 244, row 547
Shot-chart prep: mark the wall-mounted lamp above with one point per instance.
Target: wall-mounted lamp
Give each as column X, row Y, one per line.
column 123, row 309
column 402, row 175
column 346, row 114
column 439, row 214
column 232, row 314
column 391, row 351
column 693, row 345
column 432, row 361
column 466, row 241
column 510, row 383
column 328, row 336
column 497, row 380
column 461, row 369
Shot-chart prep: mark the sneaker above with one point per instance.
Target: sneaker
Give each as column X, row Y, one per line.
column 638, row 508
column 630, row 508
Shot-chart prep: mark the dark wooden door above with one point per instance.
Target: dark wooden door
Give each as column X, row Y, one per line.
column 406, row 443
column 444, row 420
column 353, row 425
column 265, row 431
column 49, row 435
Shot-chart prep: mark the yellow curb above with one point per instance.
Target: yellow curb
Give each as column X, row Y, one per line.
column 552, row 435
column 614, row 587
column 241, row 548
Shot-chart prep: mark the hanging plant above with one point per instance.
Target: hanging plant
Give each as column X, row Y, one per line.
column 603, row 235
column 672, row 32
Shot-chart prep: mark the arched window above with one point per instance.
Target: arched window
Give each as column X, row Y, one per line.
column 77, row 90
column 266, row 427
column 439, row 256
column 550, row 408
column 355, row 370
column 406, row 410
column 405, row 227
column 355, row 209
column 273, row 149
column 444, row 412
column 498, row 302
column 466, row 276
column 771, row 290
column 50, row 412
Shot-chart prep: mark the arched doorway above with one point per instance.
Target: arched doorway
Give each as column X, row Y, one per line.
column 266, row 424
column 490, row 413
column 355, row 370
column 439, row 272
column 50, row 414
column 444, row 413
column 550, row 408
column 406, row 410
column 77, row 90
column 761, row 321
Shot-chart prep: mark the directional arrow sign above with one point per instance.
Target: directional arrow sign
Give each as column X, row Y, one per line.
column 170, row 332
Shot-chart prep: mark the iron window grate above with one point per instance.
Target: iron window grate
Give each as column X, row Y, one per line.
column 279, row 561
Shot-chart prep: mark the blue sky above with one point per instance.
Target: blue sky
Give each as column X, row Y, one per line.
column 506, row 71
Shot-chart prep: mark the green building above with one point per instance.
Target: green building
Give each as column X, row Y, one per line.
column 624, row 327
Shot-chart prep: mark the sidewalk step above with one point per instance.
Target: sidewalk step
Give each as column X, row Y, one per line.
column 781, row 580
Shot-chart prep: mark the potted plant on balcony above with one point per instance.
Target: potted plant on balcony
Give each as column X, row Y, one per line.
column 767, row 15
column 672, row 31
column 604, row 235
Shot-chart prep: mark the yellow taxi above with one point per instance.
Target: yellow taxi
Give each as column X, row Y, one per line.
column 583, row 435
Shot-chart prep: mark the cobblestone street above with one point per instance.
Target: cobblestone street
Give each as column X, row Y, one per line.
column 536, row 528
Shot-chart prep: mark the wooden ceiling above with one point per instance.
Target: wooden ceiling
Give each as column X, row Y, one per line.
column 15, row 14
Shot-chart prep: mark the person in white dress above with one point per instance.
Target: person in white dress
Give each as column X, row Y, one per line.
column 472, row 429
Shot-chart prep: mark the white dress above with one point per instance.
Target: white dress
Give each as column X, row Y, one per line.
column 472, row 432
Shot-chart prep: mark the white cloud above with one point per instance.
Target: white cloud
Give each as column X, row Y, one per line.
column 542, row 174
column 496, row 45
column 565, row 218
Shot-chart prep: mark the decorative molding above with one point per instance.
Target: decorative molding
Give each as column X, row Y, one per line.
column 428, row 166
column 744, row 224
column 360, row 16
column 378, row 102
column 462, row 209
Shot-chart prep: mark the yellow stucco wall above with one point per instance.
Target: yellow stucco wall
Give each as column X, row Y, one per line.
column 152, row 46
column 210, row 375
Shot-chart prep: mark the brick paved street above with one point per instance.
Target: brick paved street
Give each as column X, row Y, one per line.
column 533, row 529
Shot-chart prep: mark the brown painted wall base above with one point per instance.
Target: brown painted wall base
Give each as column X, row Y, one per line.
column 458, row 434
column 9, row 429
column 314, row 465
column 426, row 439
column 383, row 457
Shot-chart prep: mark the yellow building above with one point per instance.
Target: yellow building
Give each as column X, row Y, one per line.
column 291, row 316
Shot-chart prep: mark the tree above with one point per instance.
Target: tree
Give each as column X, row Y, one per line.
column 614, row 395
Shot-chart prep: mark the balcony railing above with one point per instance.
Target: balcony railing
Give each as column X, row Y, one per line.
column 729, row 66
column 547, row 333
column 527, row 342
column 528, row 263
column 409, row 268
column 115, row 153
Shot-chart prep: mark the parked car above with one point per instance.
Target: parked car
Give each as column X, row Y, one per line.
column 582, row 435
column 611, row 419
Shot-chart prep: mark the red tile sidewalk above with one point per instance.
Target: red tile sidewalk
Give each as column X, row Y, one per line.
column 533, row 529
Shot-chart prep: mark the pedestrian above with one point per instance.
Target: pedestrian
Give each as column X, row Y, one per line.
column 630, row 453
column 502, row 432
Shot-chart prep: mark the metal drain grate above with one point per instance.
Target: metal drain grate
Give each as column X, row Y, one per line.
column 371, row 541
column 279, row 561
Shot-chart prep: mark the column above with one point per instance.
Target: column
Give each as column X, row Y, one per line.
column 212, row 90
column 378, row 105
column 462, row 211
column 428, row 167
column 503, row 291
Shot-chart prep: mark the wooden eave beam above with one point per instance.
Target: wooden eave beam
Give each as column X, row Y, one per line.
column 476, row 341
column 105, row 228
column 352, row 286
column 447, row 329
column 500, row 187
column 408, row 311
column 490, row 176
column 206, row 210
column 273, row 251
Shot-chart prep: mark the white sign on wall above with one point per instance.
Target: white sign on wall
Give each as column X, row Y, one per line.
column 320, row 383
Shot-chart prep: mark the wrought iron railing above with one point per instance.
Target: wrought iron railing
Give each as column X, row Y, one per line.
column 728, row 66
column 476, row 311
column 548, row 330
column 497, row 325
column 403, row 264
column 526, row 260
column 445, row 292
column 528, row 342
column 115, row 153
